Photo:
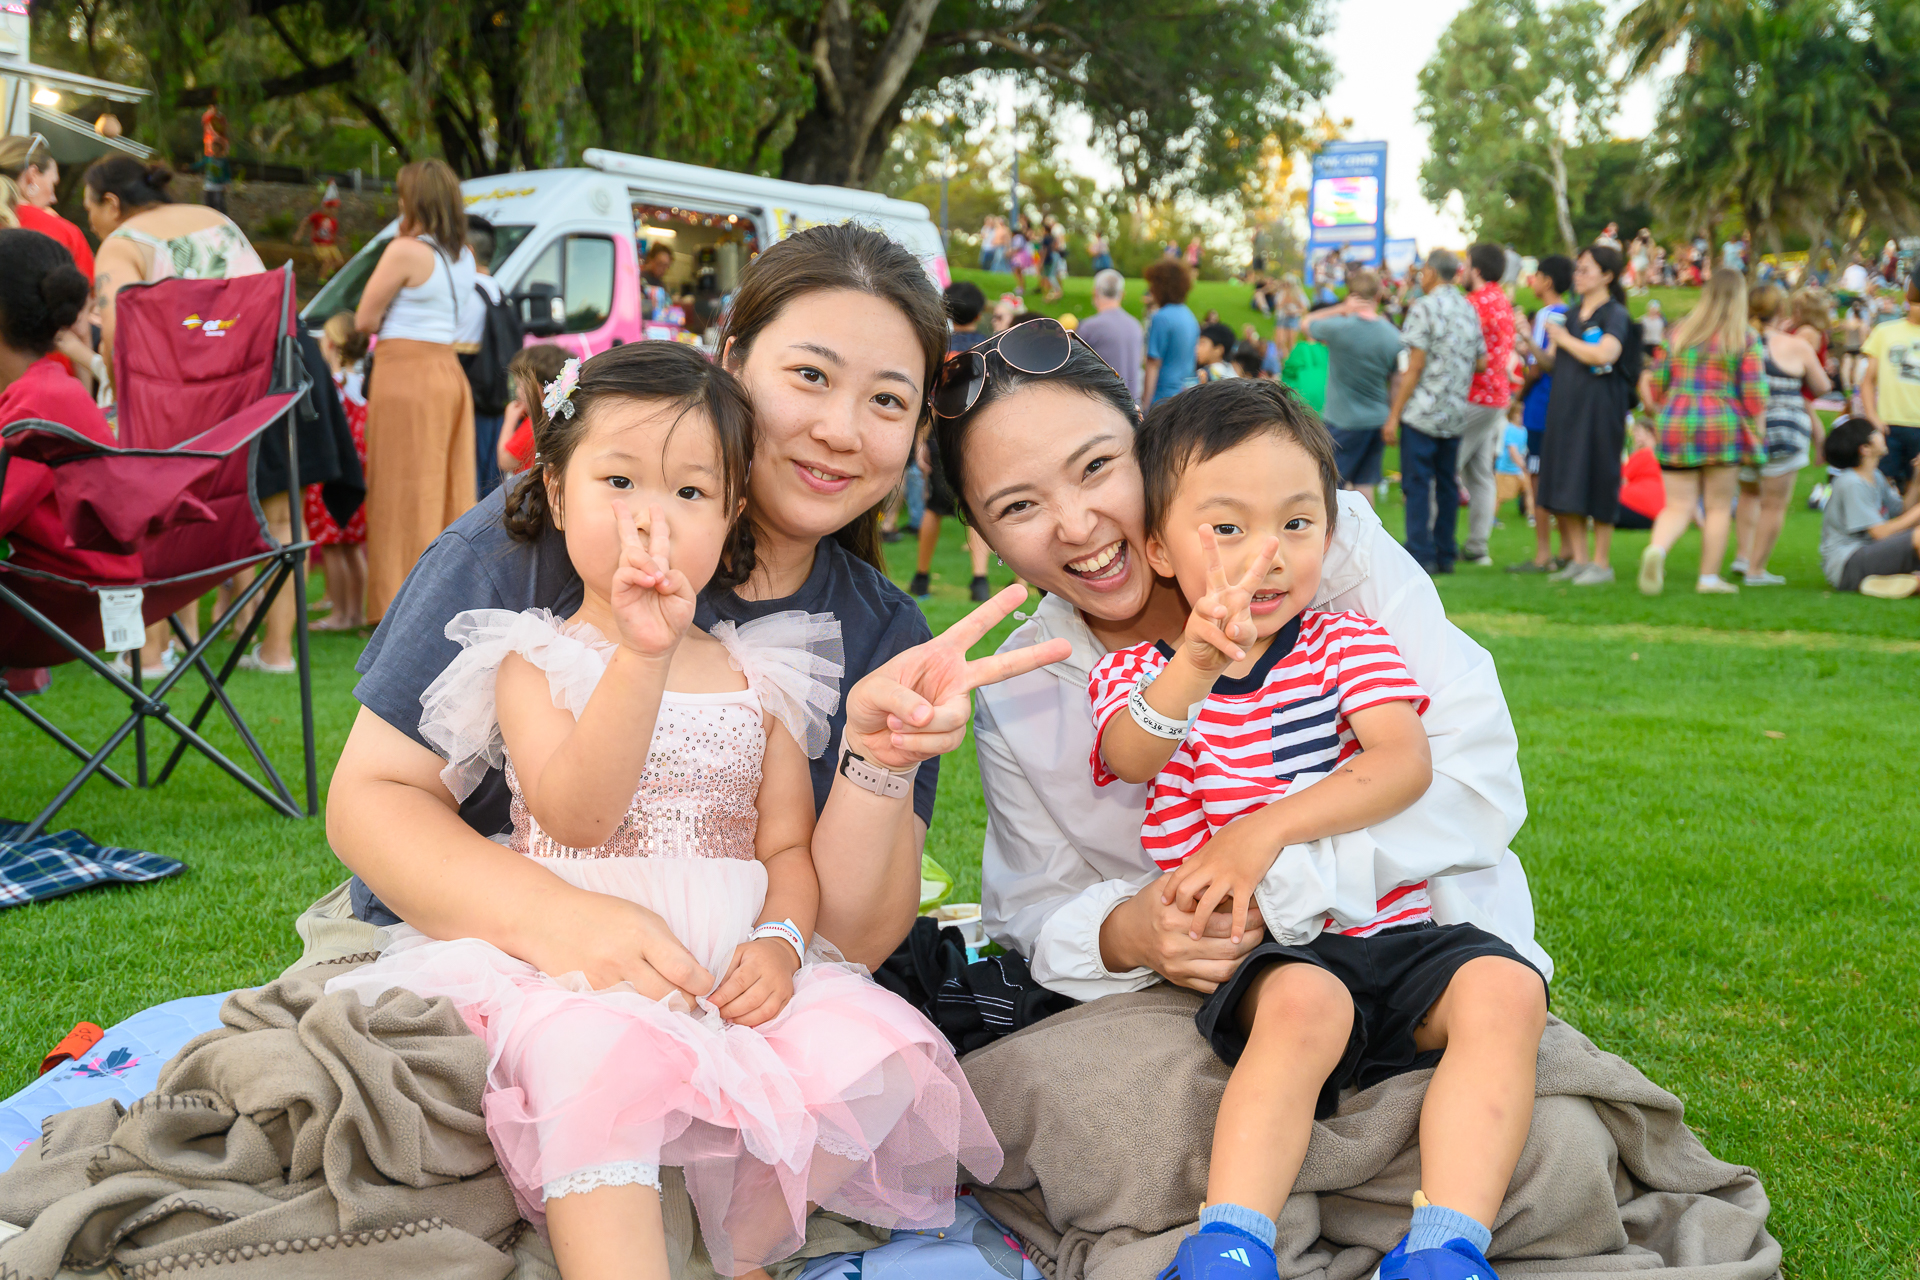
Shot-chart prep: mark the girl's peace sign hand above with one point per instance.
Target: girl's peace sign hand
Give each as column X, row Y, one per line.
column 1221, row 624
column 917, row 705
column 652, row 601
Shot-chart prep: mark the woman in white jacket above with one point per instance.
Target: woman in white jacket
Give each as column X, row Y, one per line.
column 1043, row 464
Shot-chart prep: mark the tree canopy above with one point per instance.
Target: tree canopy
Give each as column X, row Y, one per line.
column 1800, row 114
column 1511, row 90
column 810, row 89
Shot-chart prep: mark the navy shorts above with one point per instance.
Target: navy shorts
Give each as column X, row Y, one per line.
column 1358, row 452
column 1394, row 977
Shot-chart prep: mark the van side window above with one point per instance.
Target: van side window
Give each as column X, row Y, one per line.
column 582, row 269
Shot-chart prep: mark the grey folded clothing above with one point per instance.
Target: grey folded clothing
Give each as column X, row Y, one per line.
column 310, row 1135
column 1106, row 1116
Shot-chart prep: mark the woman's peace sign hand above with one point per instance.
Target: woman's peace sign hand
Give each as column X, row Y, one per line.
column 916, row 706
column 652, row 601
column 1221, row 624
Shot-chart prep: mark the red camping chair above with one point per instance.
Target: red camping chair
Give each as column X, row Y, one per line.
column 202, row 369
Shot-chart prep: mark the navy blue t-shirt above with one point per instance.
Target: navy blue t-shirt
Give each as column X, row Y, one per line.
column 477, row 564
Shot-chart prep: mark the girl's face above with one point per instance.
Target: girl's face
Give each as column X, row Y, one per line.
column 654, row 457
column 330, row 353
column 836, row 386
column 1054, row 489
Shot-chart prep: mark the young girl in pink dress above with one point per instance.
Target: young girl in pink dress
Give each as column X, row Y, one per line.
column 656, row 763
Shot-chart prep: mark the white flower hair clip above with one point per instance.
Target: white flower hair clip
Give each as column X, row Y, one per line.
column 558, row 401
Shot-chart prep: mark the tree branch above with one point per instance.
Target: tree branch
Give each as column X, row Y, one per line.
column 304, row 81
column 367, row 108
column 1002, row 41
column 904, row 42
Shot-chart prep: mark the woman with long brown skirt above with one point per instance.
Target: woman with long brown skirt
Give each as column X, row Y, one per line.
column 420, row 465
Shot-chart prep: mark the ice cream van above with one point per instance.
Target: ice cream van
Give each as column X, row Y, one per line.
column 569, row 244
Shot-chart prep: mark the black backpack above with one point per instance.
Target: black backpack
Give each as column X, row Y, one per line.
column 501, row 337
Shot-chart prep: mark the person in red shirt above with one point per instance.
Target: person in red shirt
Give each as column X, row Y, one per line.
column 323, row 230
column 1487, row 399
column 30, row 163
column 41, row 295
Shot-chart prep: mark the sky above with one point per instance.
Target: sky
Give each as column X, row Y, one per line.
column 1377, row 87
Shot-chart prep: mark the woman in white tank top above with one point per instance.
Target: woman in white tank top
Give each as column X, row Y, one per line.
column 420, row 467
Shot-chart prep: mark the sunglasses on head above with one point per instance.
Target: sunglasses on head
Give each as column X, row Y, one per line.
column 1038, row 346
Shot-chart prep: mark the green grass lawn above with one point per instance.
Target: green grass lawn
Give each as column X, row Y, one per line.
column 1233, row 300
column 1720, row 847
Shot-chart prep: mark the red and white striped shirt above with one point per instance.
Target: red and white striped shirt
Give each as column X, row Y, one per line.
column 1256, row 733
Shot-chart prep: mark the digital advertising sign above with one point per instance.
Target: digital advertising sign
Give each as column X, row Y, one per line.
column 1347, row 203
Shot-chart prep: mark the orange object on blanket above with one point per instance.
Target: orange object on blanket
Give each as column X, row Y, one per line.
column 82, row 1038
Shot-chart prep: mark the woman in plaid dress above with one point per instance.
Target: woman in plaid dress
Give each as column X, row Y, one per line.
column 1709, row 393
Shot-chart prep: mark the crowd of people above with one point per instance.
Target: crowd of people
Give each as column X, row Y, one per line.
column 1590, row 419
column 416, row 423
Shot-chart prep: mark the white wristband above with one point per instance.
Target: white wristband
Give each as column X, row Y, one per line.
column 788, row 932
column 1152, row 721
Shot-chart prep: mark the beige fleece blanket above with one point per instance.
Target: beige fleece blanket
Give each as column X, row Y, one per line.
column 1106, row 1115
column 310, row 1136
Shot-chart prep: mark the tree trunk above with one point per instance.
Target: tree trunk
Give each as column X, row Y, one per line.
column 1557, row 152
column 855, row 87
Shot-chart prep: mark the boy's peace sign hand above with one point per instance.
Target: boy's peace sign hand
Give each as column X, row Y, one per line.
column 1221, row 624
column 652, row 601
column 917, row 705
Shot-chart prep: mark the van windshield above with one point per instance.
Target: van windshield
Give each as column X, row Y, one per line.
column 342, row 293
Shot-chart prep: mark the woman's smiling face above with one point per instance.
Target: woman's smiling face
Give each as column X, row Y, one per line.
column 1053, row 487
column 836, row 385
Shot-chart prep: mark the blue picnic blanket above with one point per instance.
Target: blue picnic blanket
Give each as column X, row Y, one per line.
column 975, row 1247
column 60, row 862
column 125, row 1064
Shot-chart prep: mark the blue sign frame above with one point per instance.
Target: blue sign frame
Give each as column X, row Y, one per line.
column 1357, row 242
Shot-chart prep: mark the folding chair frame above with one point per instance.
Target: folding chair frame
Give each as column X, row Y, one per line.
column 278, row 567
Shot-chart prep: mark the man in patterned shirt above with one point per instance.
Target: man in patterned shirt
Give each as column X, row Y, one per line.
column 1445, row 348
column 1270, row 724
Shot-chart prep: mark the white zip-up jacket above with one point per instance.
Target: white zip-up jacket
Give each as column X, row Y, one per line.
column 1061, row 853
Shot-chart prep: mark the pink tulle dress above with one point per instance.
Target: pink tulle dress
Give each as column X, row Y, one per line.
column 849, row 1098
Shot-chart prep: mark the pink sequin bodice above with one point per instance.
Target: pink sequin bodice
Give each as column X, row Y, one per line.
column 698, row 793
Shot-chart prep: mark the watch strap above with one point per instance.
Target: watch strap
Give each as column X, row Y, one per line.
column 869, row 776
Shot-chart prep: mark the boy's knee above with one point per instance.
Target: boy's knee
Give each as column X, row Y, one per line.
column 1499, row 995
column 1302, row 1001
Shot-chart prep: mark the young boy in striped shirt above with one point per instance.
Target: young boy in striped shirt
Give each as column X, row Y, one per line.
column 1271, row 725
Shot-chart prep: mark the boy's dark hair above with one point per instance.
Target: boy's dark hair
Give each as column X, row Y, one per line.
column 1221, row 336
column 1845, row 439
column 1490, row 260
column 1558, row 268
column 667, row 371
column 1248, row 359
column 964, row 301
column 1204, row 422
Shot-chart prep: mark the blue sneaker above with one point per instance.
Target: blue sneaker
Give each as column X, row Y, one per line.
column 1221, row 1255
column 1456, row 1260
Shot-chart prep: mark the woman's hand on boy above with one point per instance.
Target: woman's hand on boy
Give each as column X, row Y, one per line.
column 1147, row 931
column 1221, row 624
column 917, row 705
column 1228, row 867
column 652, row 602
column 758, row 983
